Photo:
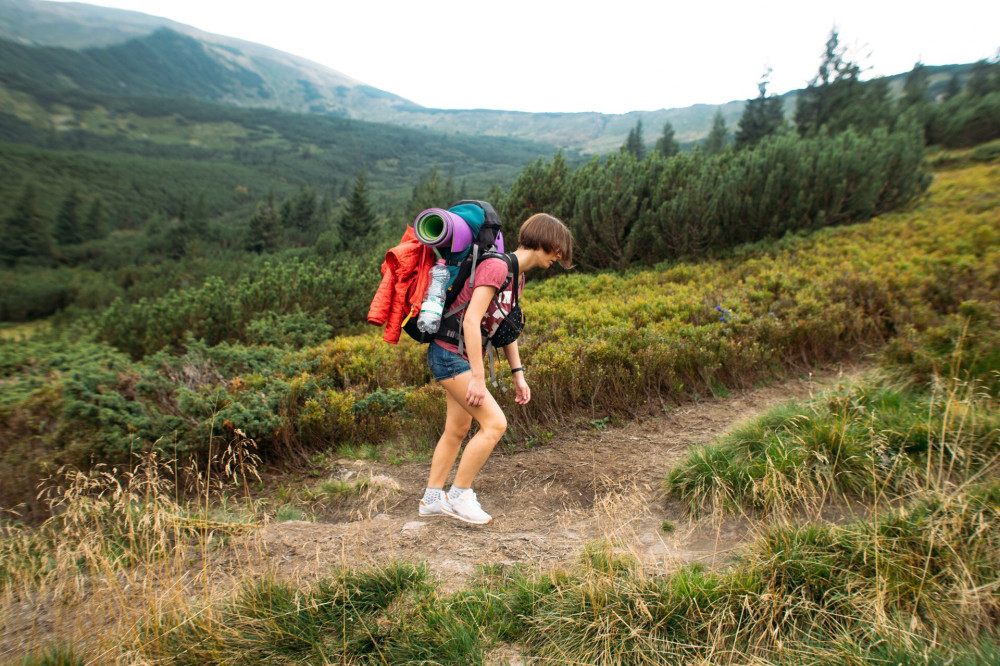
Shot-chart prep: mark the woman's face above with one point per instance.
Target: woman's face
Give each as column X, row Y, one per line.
column 548, row 258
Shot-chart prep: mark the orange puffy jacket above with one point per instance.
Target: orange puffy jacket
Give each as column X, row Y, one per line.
column 406, row 273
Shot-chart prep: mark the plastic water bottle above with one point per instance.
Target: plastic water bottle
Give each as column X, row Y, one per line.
column 429, row 320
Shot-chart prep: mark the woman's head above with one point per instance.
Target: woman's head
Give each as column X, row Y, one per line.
column 542, row 231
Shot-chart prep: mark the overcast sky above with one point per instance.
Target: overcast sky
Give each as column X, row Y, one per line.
column 612, row 57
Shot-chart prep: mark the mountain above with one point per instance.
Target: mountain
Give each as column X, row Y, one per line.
column 138, row 54
column 129, row 53
column 277, row 79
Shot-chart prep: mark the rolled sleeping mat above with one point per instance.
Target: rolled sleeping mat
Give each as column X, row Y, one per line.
column 443, row 229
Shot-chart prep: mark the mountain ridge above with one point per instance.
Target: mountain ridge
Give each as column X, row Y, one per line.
column 293, row 83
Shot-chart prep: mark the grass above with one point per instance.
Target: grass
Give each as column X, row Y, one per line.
column 900, row 431
column 914, row 582
column 127, row 572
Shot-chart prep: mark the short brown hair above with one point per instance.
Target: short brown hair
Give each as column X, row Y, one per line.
column 542, row 231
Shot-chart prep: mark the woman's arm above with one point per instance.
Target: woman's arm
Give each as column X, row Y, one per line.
column 471, row 323
column 513, row 355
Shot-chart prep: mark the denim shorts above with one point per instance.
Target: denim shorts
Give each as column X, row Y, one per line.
column 445, row 364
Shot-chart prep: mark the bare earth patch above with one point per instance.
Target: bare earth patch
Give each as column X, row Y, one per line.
column 547, row 502
column 588, row 484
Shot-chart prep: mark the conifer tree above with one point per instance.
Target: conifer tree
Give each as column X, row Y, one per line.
column 431, row 191
column 94, row 221
column 834, row 88
column 542, row 187
column 198, row 221
column 715, row 143
column 263, row 233
column 984, row 78
column 635, row 144
column 761, row 117
column 915, row 86
column 667, row 145
column 68, row 227
column 302, row 211
column 954, row 88
column 25, row 235
column 358, row 220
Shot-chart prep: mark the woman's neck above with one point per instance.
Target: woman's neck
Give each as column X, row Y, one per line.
column 526, row 259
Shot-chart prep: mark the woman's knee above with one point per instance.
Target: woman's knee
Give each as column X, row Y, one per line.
column 494, row 426
column 457, row 429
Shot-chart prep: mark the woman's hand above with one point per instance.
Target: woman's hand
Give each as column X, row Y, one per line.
column 523, row 394
column 477, row 391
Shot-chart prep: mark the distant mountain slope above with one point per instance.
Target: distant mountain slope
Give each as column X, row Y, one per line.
column 286, row 81
column 134, row 53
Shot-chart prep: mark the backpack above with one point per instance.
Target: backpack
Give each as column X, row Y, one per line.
column 484, row 246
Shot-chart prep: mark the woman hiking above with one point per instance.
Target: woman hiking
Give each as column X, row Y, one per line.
column 542, row 240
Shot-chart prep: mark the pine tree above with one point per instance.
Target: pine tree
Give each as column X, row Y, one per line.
column 25, row 235
column 915, row 86
column 715, row 143
column 67, row 229
column 263, row 233
column 761, row 117
column 303, row 211
column 954, row 88
column 667, row 145
column 835, row 87
column 984, row 78
column 431, row 191
column 635, row 144
column 542, row 187
column 94, row 221
column 358, row 220
column 198, row 221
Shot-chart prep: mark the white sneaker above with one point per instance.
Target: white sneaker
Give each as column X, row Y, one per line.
column 466, row 507
column 434, row 508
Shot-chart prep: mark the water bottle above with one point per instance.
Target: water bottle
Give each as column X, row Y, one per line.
column 429, row 320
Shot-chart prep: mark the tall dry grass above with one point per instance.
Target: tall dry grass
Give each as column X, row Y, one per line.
column 123, row 545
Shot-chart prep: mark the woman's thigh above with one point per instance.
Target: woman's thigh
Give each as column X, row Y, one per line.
column 488, row 414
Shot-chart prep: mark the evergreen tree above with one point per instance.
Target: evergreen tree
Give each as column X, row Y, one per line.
column 68, row 227
column 871, row 107
column 358, row 220
column 496, row 196
column 302, row 212
column 542, row 187
column 984, row 78
column 835, row 87
column 915, row 86
column 715, row 143
column 94, row 221
column 286, row 214
column 198, row 222
column 25, row 235
column 635, row 144
column 954, row 88
column 431, row 191
column 761, row 117
column 263, row 233
column 667, row 144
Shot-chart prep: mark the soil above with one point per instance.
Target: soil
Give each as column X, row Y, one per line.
column 594, row 483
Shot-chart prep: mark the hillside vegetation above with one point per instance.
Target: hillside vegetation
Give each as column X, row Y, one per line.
column 909, row 581
column 669, row 333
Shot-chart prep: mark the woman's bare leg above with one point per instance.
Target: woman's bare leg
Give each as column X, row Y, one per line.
column 492, row 425
column 456, row 427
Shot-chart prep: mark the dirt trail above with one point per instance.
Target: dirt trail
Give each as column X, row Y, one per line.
column 547, row 502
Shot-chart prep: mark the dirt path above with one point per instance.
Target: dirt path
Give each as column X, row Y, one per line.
column 547, row 502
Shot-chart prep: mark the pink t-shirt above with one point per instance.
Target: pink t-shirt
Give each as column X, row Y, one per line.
column 492, row 272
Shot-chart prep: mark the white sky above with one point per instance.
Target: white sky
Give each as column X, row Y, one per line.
column 612, row 57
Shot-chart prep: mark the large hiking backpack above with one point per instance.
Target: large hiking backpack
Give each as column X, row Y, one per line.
column 485, row 241
column 484, row 246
